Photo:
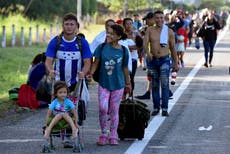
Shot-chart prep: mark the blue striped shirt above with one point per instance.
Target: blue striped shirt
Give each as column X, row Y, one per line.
column 68, row 58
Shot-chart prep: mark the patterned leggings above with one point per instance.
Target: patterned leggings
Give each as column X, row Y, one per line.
column 109, row 100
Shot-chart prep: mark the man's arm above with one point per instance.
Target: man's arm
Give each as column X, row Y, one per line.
column 172, row 50
column 145, row 44
column 49, row 66
column 87, row 66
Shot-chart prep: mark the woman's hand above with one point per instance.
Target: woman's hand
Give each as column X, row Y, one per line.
column 128, row 88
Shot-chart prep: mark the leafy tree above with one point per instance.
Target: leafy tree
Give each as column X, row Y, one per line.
column 212, row 4
column 49, row 9
column 9, row 6
column 45, row 9
column 92, row 7
column 85, row 7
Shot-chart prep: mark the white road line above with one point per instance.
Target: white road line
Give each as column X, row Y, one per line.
column 20, row 140
column 138, row 146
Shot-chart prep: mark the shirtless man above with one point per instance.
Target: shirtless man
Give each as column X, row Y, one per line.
column 159, row 62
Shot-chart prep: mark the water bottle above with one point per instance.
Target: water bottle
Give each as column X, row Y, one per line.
column 173, row 78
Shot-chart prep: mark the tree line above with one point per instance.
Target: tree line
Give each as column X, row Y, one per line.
column 49, row 9
column 45, row 9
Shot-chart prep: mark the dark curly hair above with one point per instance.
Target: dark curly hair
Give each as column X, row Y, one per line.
column 58, row 85
column 118, row 29
column 70, row 16
column 41, row 57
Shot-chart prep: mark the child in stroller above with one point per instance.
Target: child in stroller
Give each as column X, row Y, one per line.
column 60, row 110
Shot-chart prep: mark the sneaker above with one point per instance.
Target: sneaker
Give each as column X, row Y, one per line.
column 165, row 113
column 155, row 112
column 170, row 94
column 145, row 96
column 68, row 144
column 102, row 140
column 113, row 141
column 210, row 65
column 205, row 64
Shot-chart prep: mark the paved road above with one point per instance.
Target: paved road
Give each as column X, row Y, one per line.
column 199, row 102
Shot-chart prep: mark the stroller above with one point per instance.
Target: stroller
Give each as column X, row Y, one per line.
column 62, row 128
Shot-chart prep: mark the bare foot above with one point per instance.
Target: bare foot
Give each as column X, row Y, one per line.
column 47, row 133
column 74, row 133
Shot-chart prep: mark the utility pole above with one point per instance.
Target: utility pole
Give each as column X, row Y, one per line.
column 79, row 11
column 137, row 6
column 152, row 5
column 125, row 7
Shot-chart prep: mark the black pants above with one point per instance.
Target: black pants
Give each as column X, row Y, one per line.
column 132, row 74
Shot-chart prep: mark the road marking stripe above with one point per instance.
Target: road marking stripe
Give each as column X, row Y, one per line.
column 20, row 140
column 137, row 147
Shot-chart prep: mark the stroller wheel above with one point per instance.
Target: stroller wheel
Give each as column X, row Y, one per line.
column 52, row 147
column 46, row 149
column 80, row 146
column 75, row 150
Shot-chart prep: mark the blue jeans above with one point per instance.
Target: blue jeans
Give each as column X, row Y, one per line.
column 159, row 69
column 208, row 48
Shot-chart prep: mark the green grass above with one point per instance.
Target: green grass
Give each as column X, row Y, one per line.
column 14, row 64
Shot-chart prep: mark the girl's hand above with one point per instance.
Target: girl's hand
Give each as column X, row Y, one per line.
column 89, row 77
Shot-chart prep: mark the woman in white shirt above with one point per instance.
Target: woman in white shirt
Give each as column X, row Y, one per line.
column 135, row 43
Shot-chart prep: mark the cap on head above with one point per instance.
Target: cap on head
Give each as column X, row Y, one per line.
column 149, row 16
column 119, row 21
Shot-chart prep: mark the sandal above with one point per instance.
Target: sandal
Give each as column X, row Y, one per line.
column 113, row 141
column 102, row 140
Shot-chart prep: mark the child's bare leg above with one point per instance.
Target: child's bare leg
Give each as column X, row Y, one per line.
column 71, row 123
column 182, row 56
column 51, row 125
column 178, row 56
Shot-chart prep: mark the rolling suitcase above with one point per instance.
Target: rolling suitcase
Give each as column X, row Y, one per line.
column 133, row 119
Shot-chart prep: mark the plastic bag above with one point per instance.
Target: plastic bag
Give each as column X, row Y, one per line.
column 80, row 96
column 84, row 93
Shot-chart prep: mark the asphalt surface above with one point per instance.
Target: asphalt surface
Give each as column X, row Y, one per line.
column 198, row 123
